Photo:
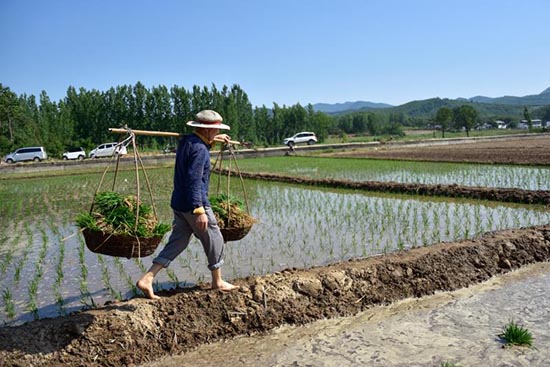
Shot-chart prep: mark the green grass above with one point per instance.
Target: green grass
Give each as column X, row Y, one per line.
column 513, row 334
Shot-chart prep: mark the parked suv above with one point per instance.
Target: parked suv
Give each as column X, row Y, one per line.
column 303, row 137
column 27, row 154
column 74, row 153
column 107, row 150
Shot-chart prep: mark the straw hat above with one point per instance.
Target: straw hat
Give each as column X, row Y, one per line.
column 208, row 119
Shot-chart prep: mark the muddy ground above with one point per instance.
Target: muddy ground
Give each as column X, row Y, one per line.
column 532, row 150
column 138, row 331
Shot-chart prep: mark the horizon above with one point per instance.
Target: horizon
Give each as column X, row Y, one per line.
column 280, row 52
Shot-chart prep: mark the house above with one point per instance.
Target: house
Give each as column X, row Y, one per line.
column 536, row 123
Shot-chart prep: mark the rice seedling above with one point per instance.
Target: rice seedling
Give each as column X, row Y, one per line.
column 85, row 296
column 59, row 278
column 9, row 306
column 514, row 334
column 130, row 283
column 105, row 277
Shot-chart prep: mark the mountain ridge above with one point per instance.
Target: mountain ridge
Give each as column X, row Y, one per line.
column 540, row 99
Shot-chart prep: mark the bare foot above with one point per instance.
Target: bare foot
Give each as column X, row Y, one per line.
column 224, row 286
column 145, row 284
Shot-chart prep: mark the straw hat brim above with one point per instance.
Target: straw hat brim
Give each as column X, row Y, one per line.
column 208, row 126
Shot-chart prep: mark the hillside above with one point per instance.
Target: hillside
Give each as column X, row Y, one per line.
column 486, row 106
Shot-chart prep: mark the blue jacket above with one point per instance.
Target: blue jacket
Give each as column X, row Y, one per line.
column 191, row 174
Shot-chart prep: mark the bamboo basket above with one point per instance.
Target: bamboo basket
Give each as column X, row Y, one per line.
column 235, row 234
column 120, row 245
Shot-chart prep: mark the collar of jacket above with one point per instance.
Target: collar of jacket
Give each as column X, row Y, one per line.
column 203, row 138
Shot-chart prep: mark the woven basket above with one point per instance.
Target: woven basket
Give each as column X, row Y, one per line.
column 120, row 245
column 234, row 234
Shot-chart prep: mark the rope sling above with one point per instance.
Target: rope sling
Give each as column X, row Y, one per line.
column 232, row 229
column 124, row 245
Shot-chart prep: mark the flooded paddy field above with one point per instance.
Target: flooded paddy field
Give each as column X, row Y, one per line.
column 315, row 253
column 47, row 271
column 425, row 173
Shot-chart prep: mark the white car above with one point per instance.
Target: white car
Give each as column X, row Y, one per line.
column 74, row 153
column 303, row 137
column 107, row 150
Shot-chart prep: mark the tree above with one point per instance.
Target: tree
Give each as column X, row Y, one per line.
column 527, row 117
column 465, row 117
column 443, row 118
column 9, row 108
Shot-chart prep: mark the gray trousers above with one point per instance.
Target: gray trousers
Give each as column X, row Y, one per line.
column 183, row 227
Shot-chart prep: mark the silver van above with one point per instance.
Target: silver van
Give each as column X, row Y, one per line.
column 27, row 154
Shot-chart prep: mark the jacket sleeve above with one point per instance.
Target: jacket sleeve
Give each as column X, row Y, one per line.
column 195, row 171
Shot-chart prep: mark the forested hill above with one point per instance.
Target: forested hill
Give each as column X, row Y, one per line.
column 540, row 99
column 486, row 106
column 427, row 108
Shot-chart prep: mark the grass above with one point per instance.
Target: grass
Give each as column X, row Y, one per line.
column 514, row 334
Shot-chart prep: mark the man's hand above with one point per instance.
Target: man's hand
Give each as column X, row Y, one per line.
column 226, row 138
column 201, row 222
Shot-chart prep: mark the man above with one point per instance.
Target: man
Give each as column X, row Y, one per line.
column 192, row 211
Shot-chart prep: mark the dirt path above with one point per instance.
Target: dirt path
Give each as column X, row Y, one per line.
column 141, row 331
column 460, row 327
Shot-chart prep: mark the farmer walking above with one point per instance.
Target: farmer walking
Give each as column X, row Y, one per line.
column 192, row 211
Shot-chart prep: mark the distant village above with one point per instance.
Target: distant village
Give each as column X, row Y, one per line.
column 523, row 124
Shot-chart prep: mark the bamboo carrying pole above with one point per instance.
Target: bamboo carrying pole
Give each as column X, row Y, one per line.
column 160, row 133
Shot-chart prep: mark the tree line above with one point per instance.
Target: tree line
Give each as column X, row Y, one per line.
column 83, row 117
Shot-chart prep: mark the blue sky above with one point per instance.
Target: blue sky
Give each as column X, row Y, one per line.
column 282, row 51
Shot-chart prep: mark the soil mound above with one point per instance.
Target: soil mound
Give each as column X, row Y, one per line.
column 140, row 330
